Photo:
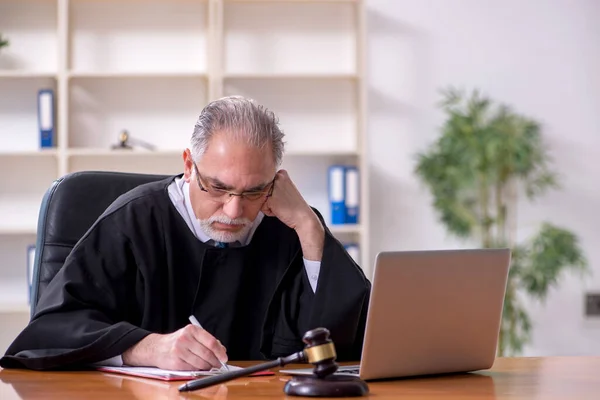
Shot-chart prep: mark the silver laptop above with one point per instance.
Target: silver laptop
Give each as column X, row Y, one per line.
column 432, row 312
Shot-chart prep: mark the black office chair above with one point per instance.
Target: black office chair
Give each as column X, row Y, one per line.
column 69, row 208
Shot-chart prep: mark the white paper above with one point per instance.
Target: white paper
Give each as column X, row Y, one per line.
column 162, row 373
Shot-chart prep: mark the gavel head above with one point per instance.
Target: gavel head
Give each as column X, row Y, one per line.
column 320, row 352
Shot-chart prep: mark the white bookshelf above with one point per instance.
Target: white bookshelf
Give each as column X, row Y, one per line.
column 108, row 36
column 149, row 66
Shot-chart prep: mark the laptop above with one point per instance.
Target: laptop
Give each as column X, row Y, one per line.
column 431, row 312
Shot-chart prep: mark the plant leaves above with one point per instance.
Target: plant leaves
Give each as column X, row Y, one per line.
column 3, row 41
column 485, row 156
column 552, row 251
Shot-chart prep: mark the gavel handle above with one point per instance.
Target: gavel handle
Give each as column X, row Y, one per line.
column 216, row 379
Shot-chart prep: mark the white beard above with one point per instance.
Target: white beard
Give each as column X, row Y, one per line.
column 225, row 236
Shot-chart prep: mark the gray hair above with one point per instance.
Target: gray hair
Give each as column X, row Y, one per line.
column 242, row 118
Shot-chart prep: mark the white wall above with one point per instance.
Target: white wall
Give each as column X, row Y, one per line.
column 542, row 57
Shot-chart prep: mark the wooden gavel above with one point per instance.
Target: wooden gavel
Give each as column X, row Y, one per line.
column 320, row 352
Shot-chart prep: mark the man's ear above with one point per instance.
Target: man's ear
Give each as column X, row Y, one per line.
column 188, row 167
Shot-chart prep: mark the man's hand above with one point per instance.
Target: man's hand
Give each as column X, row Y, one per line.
column 288, row 205
column 189, row 348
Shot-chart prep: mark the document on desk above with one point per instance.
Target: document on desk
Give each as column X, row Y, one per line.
column 172, row 375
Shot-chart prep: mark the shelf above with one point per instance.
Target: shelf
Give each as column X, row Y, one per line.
column 14, row 285
column 19, row 214
column 291, row 76
column 322, row 153
column 18, row 230
column 149, row 67
column 31, row 28
column 21, row 195
column 164, row 162
column 149, row 36
column 133, row 74
column 271, row 38
column 13, row 296
column 51, row 152
column 300, row 107
column 340, row 229
column 18, row 113
column 159, row 112
column 6, row 74
column 296, row 1
column 14, row 308
column 82, row 152
column 140, row 152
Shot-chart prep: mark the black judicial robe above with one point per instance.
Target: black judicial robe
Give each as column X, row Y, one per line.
column 140, row 270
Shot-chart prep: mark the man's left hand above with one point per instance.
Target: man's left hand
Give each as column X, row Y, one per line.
column 288, row 205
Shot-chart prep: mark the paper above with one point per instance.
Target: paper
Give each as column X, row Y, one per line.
column 171, row 375
column 165, row 374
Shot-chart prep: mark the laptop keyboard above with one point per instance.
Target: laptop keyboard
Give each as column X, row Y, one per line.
column 348, row 370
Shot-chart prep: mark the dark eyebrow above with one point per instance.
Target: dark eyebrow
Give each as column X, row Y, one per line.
column 216, row 182
column 258, row 188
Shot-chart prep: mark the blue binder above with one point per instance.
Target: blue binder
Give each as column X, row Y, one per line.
column 352, row 187
column 46, row 120
column 336, row 183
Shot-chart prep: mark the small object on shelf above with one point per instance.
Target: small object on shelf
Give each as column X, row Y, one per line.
column 127, row 142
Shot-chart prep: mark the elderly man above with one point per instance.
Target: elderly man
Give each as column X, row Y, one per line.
column 230, row 241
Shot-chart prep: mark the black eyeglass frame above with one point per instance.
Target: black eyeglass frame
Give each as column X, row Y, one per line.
column 222, row 193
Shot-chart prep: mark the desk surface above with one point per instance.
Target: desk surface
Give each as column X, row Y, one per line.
column 510, row 378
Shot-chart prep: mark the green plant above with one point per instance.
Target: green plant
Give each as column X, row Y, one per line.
column 486, row 157
column 3, row 41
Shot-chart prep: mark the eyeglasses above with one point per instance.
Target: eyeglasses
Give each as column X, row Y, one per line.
column 225, row 196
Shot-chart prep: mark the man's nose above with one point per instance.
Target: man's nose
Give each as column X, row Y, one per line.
column 233, row 208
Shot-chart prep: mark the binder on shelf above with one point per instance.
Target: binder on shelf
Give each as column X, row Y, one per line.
column 352, row 195
column 30, row 265
column 336, row 185
column 354, row 251
column 46, row 120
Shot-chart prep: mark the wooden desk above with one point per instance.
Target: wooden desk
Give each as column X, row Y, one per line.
column 517, row 378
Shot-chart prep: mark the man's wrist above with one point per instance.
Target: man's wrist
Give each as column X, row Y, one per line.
column 312, row 237
column 140, row 354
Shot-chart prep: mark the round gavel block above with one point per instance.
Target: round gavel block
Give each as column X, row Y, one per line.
column 330, row 386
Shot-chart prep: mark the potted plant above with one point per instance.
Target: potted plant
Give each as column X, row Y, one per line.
column 486, row 158
column 3, row 41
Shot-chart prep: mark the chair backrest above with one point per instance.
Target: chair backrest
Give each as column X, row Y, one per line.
column 69, row 208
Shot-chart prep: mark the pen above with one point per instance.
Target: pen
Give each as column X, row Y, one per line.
column 194, row 321
column 215, row 379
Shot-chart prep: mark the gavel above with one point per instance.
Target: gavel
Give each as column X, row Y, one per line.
column 126, row 142
column 319, row 351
